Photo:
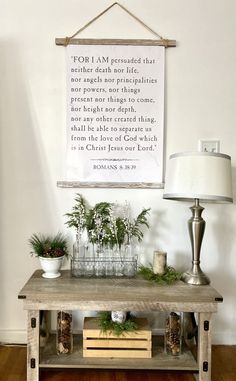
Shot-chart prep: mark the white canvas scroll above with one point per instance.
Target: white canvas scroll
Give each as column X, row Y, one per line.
column 115, row 107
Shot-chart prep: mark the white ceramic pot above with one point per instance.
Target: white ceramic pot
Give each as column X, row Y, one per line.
column 51, row 266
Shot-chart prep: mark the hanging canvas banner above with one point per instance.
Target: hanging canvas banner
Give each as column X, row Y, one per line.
column 115, row 107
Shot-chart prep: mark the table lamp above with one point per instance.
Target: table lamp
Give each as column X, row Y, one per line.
column 204, row 176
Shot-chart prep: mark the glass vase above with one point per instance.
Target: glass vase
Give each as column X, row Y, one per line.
column 173, row 333
column 129, row 260
column 118, row 262
column 78, row 248
column 99, row 264
column 109, row 268
column 64, row 338
column 78, row 257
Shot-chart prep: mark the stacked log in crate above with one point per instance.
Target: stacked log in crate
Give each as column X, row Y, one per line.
column 136, row 344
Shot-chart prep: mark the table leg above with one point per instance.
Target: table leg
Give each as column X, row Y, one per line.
column 204, row 346
column 33, row 346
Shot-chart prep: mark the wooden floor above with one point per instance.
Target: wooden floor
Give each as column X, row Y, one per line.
column 13, row 368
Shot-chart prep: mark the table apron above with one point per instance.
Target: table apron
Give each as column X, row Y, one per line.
column 118, row 306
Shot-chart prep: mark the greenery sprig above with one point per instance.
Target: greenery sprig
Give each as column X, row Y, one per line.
column 103, row 226
column 49, row 246
column 118, row 329
column 78, row 216
column 170, row 275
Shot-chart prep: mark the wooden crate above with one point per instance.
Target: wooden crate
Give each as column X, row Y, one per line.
column 136, row 344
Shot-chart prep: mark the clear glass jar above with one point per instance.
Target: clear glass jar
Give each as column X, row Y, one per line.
column 173, row 333
column 78, row 248
column 130, row 260
column 64, row 338
column 78, row 258
column 108, row 262
column 118, row 262
column 99, row 264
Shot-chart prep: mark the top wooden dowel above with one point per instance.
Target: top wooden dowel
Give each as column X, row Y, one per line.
column 78, row 41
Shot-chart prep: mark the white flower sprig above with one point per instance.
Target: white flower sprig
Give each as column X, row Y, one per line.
column 107, row 224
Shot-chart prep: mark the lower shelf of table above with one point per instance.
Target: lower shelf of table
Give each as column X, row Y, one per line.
column 159, row 360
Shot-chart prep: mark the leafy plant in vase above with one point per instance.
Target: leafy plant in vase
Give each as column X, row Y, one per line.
column 51, row 250
column 105, row 228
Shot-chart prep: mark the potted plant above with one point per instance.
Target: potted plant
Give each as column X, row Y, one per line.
column 51, row 250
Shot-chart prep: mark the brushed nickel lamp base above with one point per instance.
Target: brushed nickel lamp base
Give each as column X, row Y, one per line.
column 196, row 227
column 195, row 276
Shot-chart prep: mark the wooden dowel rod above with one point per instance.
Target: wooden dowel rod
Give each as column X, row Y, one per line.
column 76, row 41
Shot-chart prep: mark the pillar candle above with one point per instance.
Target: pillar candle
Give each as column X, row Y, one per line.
column 159, row 262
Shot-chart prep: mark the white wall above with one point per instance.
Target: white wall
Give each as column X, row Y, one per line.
column 200, row 103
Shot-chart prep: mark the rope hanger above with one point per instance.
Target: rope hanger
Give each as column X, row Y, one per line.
column 70, row 40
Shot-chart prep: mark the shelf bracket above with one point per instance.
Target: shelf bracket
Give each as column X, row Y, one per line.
column 33, row 323
column 205, row 366
column 206, row 325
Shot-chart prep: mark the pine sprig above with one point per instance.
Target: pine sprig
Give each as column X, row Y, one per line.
column 135, row 228
column 108, row 326
column 49, row 246
column 78, row 216
column 120, row 231
column 97, row 222
column 142, row 218
column 170, row 275
column 103, row 227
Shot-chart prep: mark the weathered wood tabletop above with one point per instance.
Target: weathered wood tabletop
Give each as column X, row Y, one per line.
column 116, row 293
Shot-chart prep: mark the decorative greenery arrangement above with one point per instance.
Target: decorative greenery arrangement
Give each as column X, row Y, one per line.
column 103, row 226
column 49, row 246
column 78, row 216
column 170, row 275
column 107, row 325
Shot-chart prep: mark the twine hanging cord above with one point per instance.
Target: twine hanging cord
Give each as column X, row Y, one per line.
column 68, row 39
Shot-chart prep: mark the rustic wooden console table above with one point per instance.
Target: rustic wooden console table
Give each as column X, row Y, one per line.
column 117, row 294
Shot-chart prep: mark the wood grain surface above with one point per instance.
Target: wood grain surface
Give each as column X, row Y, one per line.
column 134, row 294
column 13, row 368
